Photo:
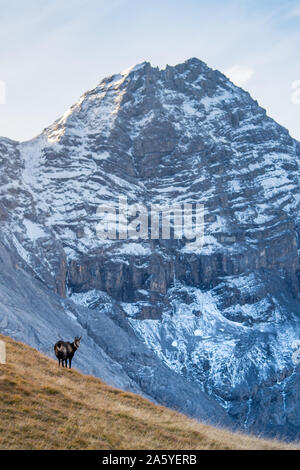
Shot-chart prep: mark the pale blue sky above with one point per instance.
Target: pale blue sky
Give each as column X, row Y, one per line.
column 52, row 51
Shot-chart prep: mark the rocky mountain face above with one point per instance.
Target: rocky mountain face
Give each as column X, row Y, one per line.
column 210, row 331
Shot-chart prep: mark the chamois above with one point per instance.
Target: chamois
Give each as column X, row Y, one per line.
column 65, row 350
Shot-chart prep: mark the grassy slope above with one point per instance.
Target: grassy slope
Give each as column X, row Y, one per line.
column 46, row 407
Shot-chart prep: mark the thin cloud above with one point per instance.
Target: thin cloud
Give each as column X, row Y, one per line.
column 294, row 13
column 239, row 75
column 295, row 97
column 2, row 92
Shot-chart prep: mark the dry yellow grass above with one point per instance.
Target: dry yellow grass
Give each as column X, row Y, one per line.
column 46, row 407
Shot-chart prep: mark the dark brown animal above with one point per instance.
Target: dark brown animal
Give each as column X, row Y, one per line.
column 65, row 351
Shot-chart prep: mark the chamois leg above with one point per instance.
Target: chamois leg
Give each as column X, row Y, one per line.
column 58, row 362
column 70, row 363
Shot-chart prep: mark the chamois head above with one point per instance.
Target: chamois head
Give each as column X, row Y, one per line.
column 77, row 341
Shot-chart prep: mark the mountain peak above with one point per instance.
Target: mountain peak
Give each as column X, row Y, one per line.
column 180, row 135
column 135, row 68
